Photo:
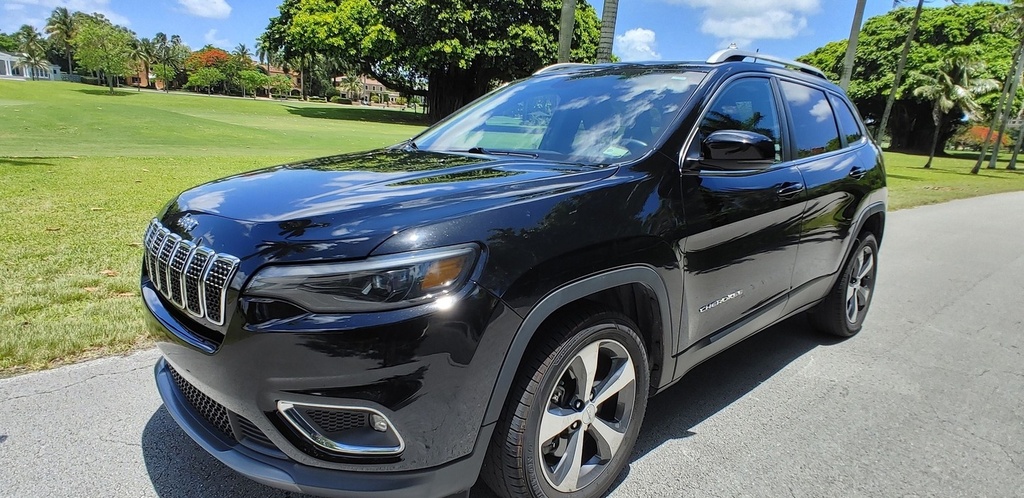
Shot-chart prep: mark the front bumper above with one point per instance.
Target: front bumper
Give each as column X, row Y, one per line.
column 451, row 478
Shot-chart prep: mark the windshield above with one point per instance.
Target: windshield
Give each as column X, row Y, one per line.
column 596, row 117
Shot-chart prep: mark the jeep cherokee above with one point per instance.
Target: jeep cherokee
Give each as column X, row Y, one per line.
column 500, row 295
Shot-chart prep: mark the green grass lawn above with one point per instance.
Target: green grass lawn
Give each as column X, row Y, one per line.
column 82, row 172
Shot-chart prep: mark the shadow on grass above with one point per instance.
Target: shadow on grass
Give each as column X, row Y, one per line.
column 106, row 93
column 24, row 161
column 349, row 113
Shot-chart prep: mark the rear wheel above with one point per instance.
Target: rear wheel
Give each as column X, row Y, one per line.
column 842, row 312
column 575, row 410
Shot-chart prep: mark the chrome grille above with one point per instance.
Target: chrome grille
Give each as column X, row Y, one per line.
column 195, row 279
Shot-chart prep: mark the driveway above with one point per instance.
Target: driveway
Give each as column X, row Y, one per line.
column 927, row 401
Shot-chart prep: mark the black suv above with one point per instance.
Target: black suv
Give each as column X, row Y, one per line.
column 500, row 295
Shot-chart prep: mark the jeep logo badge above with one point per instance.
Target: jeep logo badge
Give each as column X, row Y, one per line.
column 187, row 223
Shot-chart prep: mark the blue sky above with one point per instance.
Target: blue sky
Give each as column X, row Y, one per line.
column 646, row 29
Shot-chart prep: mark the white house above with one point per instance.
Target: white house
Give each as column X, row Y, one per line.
column 10, row 67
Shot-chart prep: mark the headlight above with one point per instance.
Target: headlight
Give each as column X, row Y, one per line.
column 374, row 284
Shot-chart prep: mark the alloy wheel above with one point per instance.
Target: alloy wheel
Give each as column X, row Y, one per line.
column 862, row 282
column 587, row 415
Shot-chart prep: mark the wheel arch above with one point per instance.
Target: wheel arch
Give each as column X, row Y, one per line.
column 636, row 291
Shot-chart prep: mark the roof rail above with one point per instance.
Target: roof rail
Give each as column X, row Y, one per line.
column 560, row 66
column 733, row 55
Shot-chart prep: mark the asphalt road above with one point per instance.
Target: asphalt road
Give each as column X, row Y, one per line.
column 927, row 401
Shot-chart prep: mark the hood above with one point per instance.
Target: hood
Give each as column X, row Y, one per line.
column 359, row 200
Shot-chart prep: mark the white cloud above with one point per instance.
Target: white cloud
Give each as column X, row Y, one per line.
column 743, row 21
column 637, row 45
column 211, row 38
column 35, row 12
column 214, row 9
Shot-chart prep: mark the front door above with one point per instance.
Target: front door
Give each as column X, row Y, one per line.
column 743, row 227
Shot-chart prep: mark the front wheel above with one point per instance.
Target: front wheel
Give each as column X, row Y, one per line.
column 575, row 410
column 843, row 311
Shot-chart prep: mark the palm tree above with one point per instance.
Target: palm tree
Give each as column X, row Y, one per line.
column 608, row 15
column 851, row 45
column 242, row 52
column 34, row 63
column 61, row 28
column 352, row 85
column 1014, row 17
column 144, row 52
column 29, row 40
column 952, row 85
column 899, row 68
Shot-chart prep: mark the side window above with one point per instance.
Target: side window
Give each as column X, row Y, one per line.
column 814, row 125
column 847, row 123
column 749, row 105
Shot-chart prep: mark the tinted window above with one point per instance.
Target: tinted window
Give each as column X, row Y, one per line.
column 847, row 123
column 748, row 105
column 594, row 117
column 814, row 125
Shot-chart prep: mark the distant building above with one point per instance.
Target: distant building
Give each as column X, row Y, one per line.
column 11, row 68
column 370, row 87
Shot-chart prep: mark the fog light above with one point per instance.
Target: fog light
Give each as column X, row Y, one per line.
column 378, row 423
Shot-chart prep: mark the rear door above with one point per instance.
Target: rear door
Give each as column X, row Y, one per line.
column 743, row 227
column 827, row 139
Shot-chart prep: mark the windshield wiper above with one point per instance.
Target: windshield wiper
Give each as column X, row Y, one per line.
column 492, row 152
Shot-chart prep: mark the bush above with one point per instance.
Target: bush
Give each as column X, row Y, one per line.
column 375, row 99
column 341, row 100
column 331, row 92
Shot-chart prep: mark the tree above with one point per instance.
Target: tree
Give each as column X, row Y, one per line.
column 450, row 51
column 8, row 43
column 851, row 46
column 164, row 74
column 61, row 28
column 144, row 53
column 280, row 84
column 208, row 56
column 952, row 85
column 103, row 47
column 883, row 126
column 172, row 54
column 205, row 77
column 29, row 41
column 352, row 86
column 251, row 80
column 940, row 32
column 34, row 63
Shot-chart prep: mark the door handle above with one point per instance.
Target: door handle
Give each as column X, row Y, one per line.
column 790, row 189
column 857, row 172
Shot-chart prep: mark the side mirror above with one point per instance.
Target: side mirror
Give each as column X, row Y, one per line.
column 737, row 150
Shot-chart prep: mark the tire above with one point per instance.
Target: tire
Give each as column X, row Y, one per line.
column 843, row 310
column 599, row 431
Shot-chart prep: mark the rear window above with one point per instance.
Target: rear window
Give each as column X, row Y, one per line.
column 814, row 124
column 847, row 122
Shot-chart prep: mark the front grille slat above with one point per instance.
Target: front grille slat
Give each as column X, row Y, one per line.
column 195, row 279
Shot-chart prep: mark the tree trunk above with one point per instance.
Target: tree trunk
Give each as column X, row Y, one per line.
column 608, row 16
column 937, row 118
column 899, row 72
column 1006, row 112
column 451, row 88
column 70, row 69
column 1004, row 107
column 565, row 30
column 1016, row 147
column 110, row 83
column 851, row 46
